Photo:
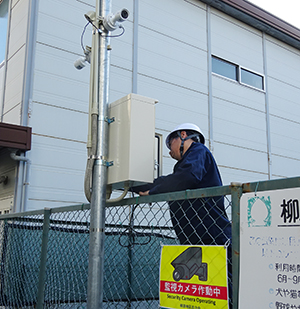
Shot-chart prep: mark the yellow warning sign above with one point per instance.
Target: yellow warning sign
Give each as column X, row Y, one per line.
column 193, row 277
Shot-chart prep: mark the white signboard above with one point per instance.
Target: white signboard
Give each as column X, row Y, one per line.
column 270, row 250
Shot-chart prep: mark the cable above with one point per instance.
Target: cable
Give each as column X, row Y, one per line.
column 114, row 36
column 82, row 34
column 133, row 234
column 100, row 32
column 120, row 197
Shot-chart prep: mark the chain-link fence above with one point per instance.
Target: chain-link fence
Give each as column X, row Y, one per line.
column 134, row 243
column 44, row 254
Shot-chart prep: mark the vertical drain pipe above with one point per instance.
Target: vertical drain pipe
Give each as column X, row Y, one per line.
column 135, row 45
column 209, row 78
column 24, row 181
column 267, row 110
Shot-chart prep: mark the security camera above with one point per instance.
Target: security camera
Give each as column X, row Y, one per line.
column 111, row 21
column 90, row 16
column 80, row 63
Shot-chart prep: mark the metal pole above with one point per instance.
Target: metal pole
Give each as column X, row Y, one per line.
column 42, row 273
column 236, row 193
column 98, row 198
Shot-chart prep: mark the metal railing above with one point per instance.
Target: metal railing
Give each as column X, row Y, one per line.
column 44, row 253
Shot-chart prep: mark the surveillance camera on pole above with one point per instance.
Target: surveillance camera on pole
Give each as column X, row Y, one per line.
column 96, row 172
column 112, row 21
column 81, row 61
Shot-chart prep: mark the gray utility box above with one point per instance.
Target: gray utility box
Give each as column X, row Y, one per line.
column 131, row 141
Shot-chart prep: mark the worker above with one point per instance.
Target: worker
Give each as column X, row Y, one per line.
column 201, row 221
column 195, row 221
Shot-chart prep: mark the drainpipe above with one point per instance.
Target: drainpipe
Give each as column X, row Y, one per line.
column 267, row 107
column 21, row 190
column 23, row 182
column 29, row 61
column 135, row 45
column 209, row 71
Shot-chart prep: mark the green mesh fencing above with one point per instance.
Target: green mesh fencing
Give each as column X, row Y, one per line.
column 44, row 254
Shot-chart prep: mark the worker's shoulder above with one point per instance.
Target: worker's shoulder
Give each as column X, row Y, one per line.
column 199, row 147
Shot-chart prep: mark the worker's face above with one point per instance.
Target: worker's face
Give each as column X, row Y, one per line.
column 175, row 144
column 175, row 148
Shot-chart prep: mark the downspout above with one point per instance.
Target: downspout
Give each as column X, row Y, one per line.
column 267, row 109
column 135, row 45
column 21, row 191
column 23, row 181
column 6, row 59
column 29, row 61
column 209, row 78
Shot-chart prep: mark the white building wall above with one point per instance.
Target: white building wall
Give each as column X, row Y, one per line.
column 284, row 92
column 239, row 119
column 172, row 64
column 59, row 106
column 18, row 24
column 172, row 67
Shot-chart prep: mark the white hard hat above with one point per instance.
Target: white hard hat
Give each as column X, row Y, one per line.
column 186, row 127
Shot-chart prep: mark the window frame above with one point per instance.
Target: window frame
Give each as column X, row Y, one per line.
column 227, row 62
column 254, row 73
column 239, row 74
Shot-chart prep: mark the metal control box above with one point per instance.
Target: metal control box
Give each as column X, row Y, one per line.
column 131, row 141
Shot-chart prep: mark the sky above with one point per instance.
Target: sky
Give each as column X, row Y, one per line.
column 287, row 10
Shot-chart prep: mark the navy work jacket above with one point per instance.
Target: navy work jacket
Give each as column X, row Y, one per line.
column 196, row 221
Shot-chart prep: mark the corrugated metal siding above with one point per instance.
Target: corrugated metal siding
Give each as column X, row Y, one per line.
column 59, row 106
column 172, row 64
column 16, row 63
column 236, row 41
column 172, row 67
column 239, row 119
column 284, row 92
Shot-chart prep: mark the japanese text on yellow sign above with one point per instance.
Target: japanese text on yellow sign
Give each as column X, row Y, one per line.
column 193, row 277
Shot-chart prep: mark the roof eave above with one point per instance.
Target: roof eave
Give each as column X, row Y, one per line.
column 15, row 137
column 258, row 18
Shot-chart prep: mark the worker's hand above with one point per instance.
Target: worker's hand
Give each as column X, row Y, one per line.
column 144, row 193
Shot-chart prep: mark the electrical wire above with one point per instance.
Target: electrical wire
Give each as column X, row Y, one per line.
column 100, row 32
column 114, row 36
column 133, row 234
column 82, row 34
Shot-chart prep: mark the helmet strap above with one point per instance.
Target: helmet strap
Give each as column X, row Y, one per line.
column 183, row 140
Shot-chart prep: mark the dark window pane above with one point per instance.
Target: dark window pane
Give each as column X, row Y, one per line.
column 252, row 79
column 224, row 68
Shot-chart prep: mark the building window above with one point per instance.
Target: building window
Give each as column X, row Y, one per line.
column 224, row 68
column 3, row 27
column 252, row 79
column 235, row 72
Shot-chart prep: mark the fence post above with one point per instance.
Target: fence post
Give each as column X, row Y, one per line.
column 42, row 272
column 236, row 193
